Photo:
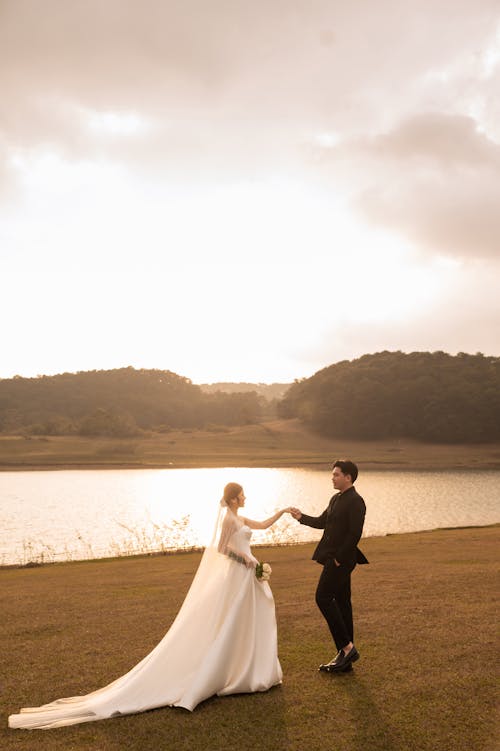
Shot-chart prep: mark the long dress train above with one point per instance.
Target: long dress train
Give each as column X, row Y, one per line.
column 223, row 641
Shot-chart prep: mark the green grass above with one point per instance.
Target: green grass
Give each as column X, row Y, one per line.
column 280, row 443
column 425, row 620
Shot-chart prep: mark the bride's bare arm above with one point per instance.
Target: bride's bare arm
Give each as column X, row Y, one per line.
column 267, row 522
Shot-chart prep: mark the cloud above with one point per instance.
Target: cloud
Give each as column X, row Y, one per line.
column 223, row 80
column 161, row 135
column 436, row 140
column 435, row 178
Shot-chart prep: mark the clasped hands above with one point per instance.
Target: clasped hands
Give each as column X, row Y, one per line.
column 297, row 513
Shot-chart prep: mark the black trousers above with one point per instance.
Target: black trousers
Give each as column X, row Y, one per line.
column 333, row 598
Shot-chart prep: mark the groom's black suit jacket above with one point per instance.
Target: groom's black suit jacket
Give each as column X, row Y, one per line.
column 343, row 522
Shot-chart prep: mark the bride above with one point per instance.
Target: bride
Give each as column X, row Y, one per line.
column 223, row 640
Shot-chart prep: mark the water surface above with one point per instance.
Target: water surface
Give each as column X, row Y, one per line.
column 73, row 514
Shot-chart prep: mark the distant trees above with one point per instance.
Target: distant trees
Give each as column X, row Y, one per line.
column 107, row 422
column 427, row 396
column 233, row 409
column 118, row 402
column 271, row 391
column 269, row 394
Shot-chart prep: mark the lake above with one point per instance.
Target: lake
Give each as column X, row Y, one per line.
column 77, row 514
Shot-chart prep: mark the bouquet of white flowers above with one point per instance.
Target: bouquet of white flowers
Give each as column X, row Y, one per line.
column 263, row 571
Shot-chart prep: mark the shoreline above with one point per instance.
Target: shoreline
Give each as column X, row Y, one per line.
column 319, row 466
column 199, row 550
column 278, row 444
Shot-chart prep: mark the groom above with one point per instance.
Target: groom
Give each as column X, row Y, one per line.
column 337, row 551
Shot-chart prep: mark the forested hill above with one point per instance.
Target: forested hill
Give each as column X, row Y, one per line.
column 432, row 397
column 118, row 402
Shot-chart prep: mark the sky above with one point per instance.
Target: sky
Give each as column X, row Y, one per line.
column 240, row 191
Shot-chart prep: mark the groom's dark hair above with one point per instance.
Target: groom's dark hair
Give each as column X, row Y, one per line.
column 347, row 467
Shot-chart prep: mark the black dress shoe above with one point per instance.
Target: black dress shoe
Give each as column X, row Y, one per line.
column 328, row 669
column 344, row 660
column 327, row 666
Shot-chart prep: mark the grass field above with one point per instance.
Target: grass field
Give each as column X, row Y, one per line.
column 281, row 443
column 425, row 620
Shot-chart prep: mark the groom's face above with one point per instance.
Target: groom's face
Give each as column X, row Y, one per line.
column 340, row 480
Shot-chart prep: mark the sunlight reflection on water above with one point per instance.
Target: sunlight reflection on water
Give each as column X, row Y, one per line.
column 85, row 513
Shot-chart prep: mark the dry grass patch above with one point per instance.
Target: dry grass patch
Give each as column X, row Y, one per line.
column 425, row 615
column 278, row 443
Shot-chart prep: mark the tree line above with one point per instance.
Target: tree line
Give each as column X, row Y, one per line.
column 433, row 397
column 121, row 402
column 426, row 396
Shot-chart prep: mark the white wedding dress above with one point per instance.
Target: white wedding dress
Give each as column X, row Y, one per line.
column 223, row 641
